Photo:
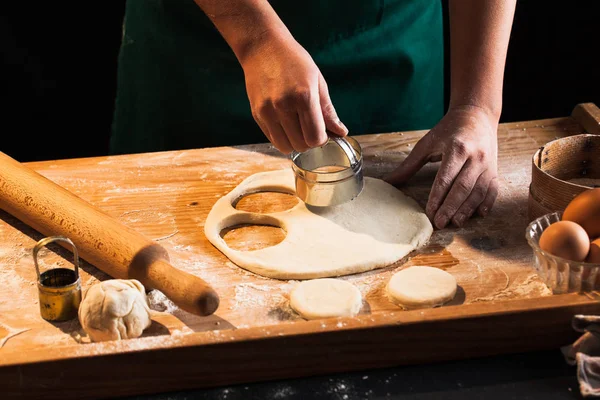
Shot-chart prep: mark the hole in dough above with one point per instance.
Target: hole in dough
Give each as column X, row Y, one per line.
column 266, row 202
column 248, row 237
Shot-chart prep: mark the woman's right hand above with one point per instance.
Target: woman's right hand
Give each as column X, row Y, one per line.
column 288, row 95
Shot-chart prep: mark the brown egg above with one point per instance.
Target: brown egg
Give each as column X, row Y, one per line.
column 567, row 240
column 594, row 255
column 585, row 210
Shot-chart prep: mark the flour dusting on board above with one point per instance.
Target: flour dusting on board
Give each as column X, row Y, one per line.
column 250, row 297
column 529, row 285
column 159, row 302
column 8, row 332
column 167, row 198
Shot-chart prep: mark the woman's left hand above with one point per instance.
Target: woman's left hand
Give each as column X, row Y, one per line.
column 465, row 141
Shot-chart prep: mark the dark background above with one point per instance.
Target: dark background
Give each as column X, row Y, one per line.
column 59, row 71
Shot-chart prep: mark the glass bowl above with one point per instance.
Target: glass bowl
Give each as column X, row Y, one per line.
column 560, row 275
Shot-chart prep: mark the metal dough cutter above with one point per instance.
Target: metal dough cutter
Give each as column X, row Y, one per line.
column 331, row 174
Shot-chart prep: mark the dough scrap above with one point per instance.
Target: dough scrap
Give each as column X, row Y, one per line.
column 115, row 309
column 325, row 298
column 421, row 287
column 376, row 229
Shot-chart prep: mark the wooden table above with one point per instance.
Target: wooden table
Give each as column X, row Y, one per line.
column 501, row 307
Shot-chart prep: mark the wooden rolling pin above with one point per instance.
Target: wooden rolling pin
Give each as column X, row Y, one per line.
column 100, row 239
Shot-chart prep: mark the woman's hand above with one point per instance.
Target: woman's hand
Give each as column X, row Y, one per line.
column 465, row 140
column 288, row 95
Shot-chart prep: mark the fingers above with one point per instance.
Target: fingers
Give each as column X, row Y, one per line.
column 418, row 157
column 475, row 199
column 294, row 122
column 461, row 188
column 451, row 165
column 274, row 132
column 490, row 198
column 263, row 127
column 312, row 122
column 298, row 119
column 332, row 121
column 279, row 138
column 291, row 125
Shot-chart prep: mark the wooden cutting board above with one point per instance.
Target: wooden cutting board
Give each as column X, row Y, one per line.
column 501, row 306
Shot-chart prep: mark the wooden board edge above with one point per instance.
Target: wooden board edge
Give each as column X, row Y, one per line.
column 588, row 116
column 280, row 357
column 396, row 317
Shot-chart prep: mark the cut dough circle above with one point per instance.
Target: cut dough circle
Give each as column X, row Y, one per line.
column 421, row 287
column 379, row 227
column 115, row 309
column 325, row 298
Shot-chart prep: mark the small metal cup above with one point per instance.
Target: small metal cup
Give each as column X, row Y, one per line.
column 59, row 288
column 331, row 174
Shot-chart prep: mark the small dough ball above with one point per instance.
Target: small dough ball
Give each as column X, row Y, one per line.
column 421, row 287
column 565, row 239
column 325, row 298
column 115, row 309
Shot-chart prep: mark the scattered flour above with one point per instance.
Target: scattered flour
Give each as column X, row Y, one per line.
column 10, row 333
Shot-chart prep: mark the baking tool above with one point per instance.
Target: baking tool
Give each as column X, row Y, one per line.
column 101, row 240
column 562, row 169
column 59, row 288
column 560, row 275
column 331, row 174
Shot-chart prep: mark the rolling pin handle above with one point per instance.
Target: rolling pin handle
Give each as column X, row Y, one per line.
column 152, row 268
column 189, row 292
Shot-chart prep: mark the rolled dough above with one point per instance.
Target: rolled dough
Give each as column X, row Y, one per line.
column 421, row 287
column 325, row 298
column 376, row 229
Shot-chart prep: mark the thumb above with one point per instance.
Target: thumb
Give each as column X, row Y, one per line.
column 418, row 157
column 332, row 121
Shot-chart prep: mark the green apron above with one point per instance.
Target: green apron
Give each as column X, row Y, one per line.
column 180, row 85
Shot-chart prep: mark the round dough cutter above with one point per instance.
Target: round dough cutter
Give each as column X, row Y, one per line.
column 331, row 174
